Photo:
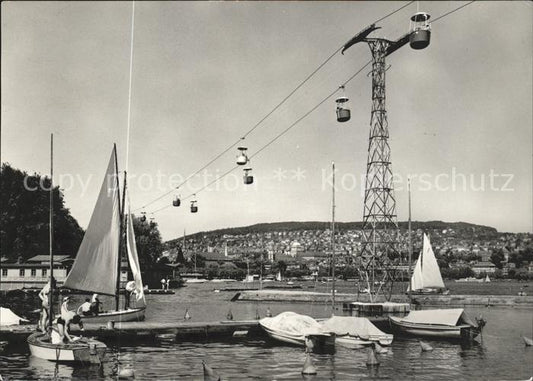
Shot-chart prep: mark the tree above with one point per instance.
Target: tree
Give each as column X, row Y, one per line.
column 497, row 258
column 180, row 258
column 149, row 244
column 24, row 217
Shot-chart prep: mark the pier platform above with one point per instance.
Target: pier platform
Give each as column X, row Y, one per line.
column 442, row 301
column 145, row 330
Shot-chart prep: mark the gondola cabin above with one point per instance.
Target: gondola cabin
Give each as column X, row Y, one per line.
column 343, row 110
column 420, row 31
column 143, row 216
column 194, row 207
column 248, row 178
column 242, row 159
column 176, row 202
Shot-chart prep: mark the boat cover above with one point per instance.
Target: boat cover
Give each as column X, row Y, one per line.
column 293, row 323
column 8, row 317
column 451, row 317
column 353, row 326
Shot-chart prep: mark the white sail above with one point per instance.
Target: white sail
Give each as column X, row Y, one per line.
column 426, row 273
column 133, row 257
column 96, row 266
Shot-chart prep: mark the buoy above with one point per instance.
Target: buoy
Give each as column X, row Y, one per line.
column 125, row 374
column 379, row 349
column 187, row 315
column 308, row 368
column 268, row 313
column 425, row 346
column 527, row 341
column 371, row 359
column 229, row 315
column 209, row 374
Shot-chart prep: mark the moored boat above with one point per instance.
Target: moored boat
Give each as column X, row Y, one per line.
column 355, row 332
column 84, row 350
column 441, row 323
column 50, row 345
column 96, row 268
column 296, row 329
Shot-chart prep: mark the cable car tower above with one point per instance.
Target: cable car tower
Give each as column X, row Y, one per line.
column 379, row 252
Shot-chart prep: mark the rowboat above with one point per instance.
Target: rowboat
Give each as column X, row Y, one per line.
column 440, row 323
column 296, row 329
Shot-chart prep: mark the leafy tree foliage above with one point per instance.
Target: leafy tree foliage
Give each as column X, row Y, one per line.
column 24, row 217
column 149, row 244
column 497, row 258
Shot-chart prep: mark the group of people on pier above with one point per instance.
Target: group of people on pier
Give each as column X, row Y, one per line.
column 90, row 307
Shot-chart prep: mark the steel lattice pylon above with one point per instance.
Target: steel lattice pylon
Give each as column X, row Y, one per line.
column 380, row 227
column 379, row 252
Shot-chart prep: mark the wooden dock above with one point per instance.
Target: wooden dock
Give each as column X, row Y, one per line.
column 188, row 331
column 442, row 301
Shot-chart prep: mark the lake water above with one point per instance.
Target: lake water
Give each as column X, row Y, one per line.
column 500, row 355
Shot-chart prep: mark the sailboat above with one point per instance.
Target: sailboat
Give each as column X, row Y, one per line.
column 81, row 350
column 97, row 265
column 426, row 278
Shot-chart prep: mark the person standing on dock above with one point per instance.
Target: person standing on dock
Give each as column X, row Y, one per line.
column 163, row 283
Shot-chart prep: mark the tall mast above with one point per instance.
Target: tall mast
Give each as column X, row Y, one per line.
column 51, row 238
column 410, row 242
column 121, row 213
column 333, row 241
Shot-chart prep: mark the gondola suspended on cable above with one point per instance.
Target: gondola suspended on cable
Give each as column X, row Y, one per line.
column 143, row 216
column 152, row 221
column 343, row 109
column 420, row 31
column 248, row 178
column 176, row 202
column 194, row 207
column 242, row 159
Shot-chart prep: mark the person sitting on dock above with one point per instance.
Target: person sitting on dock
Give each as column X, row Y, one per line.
column 95, row 305
column 85, row 308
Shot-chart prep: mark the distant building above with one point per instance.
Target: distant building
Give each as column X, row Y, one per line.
column 484, row 267
column 296, row 248
column 34, row 273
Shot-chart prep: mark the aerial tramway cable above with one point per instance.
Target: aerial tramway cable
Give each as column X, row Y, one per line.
column 270, row 142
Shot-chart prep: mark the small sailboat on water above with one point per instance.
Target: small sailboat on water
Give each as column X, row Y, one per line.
column 97, row 265
column 426, row 278
column 41, row 344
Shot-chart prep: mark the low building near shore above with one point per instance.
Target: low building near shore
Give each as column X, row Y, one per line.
column 34, row 273
column 484, row 267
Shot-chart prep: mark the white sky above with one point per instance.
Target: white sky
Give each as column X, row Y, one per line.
column 204, row 73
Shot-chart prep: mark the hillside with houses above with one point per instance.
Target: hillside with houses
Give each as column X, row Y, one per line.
column 304, row 248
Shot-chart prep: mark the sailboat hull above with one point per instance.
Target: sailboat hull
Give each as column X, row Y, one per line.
column 88, row 351
column 133, row 314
